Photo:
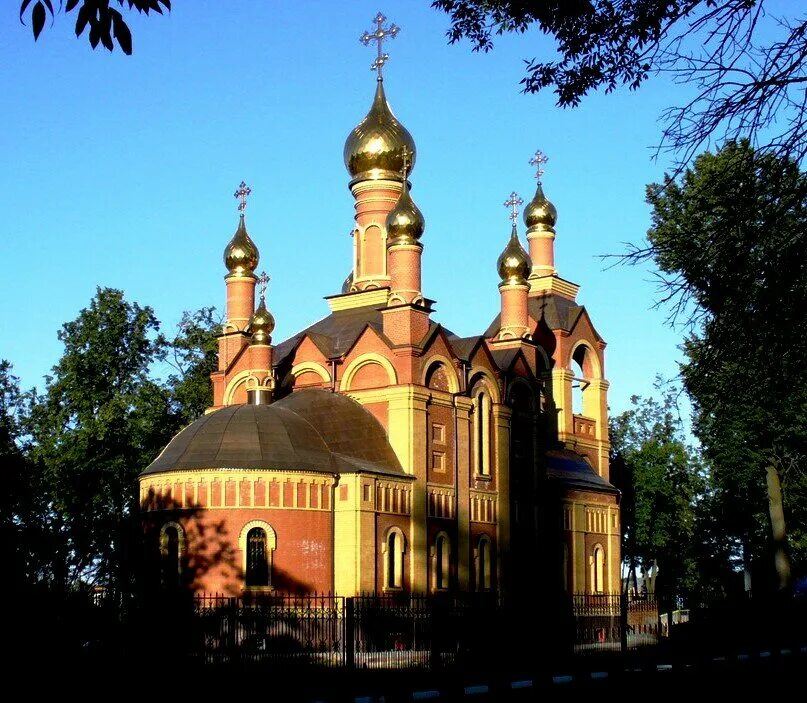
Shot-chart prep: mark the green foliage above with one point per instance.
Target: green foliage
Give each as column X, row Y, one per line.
column 71, row 455
column 106, row 24
column 99, row 422
column 745, row 66
column 600, row 43
column 15, row 498
column 193, row 354
column 661, row 479
column 729, row 240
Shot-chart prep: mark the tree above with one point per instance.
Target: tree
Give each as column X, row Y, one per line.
column 104, row 22
column 746, row 68
column 661, row 479
column 100, row 420
column 193, row 353
column 729, row 243
column 16, row 497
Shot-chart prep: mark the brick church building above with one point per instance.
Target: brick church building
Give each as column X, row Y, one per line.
column 376, row 450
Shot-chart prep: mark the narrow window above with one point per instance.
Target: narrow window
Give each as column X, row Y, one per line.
column 257, row 558
column 393, row 562
column 598, row 570
column 441, row 563
column 391, row 548
column 483, row 564
column 481, row 430
column 170, row 552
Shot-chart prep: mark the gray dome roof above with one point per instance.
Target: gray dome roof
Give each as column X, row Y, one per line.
column 309, row 430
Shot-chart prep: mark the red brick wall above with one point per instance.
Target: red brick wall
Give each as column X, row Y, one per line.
column 440, row 423
column 214, row 561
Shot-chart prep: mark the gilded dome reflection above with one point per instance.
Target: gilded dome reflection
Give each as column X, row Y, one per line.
column 241, row 255
column 514, row 263
column 375, row 148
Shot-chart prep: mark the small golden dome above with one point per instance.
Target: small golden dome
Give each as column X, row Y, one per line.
column 241, row 255
column 514, row 262
column 405, row 222
column 540, row 213
column 261, row 324
column 374, row 149
column 348, row 283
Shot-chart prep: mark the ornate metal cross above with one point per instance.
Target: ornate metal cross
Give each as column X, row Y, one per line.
column 513, row 202
column 378, row 35
column 538, row 161
column 406, row 155
column 243, row 191
column 263, row 281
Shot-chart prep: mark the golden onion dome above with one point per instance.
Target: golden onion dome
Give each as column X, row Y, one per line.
column 405, row 222
column 514, row 263
column 540, row 213
column 241, row 255
column 261, row 324
column 375, row 148
column 348, row 283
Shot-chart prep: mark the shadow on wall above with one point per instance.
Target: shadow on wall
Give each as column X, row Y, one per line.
column 186, row 549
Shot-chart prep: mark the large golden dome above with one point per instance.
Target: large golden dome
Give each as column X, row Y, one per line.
column 540, row 213
column 405, row 222
column 261, row 324
column 514, row 263
column 374, row 149
column 241, row 255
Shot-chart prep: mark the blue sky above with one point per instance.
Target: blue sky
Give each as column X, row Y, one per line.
column 119, row 171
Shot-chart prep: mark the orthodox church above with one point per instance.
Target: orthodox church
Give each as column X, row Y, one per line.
column 376, row 450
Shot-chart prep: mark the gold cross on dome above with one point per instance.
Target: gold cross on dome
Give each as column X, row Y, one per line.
column 538, row 161
column 406, row 155
column 378, row 35
column 263, row 281
column 513, row 202
column 243, row 191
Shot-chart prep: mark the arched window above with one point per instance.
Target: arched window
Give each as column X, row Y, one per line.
column 172, row 541
column 484, row 564
column 257, row 542
column 257, row 558
column 598, row 569
column 578, row 382
column 584, row 364
column 441, row 562
column 481, row 432
column 393, row 552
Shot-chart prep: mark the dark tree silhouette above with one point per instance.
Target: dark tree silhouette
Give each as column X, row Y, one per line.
column 728, row 239
column 99, row 18
column 746, row 67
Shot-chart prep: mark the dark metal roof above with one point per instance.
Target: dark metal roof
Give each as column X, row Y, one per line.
column 572, row 471
column 336, row 333
column 310, row 430
column 558, row 312
column 464, row 346
column 504, row 357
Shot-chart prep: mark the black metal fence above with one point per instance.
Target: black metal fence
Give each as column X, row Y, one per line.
column 408, row 631
column 615, row 623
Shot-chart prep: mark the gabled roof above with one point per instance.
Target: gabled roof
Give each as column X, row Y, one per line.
column 464, row 346
column 504, row 358
column 558, row 313
column 335, row 334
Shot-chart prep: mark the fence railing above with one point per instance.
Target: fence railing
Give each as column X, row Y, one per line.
column 406, row 631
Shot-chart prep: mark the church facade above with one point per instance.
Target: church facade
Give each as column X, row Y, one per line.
column 376, row 450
